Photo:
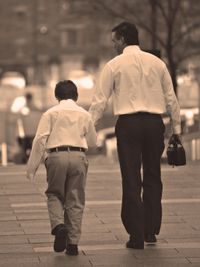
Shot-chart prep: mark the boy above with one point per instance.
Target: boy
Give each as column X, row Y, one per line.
column 65, row 131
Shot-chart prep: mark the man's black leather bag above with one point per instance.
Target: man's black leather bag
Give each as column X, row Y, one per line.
column 176, row 153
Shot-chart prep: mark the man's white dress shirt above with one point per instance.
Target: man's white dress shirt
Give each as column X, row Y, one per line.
column 65, row 124
column 138, row 82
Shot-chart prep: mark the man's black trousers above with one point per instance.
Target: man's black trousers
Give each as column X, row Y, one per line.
column 140, row 143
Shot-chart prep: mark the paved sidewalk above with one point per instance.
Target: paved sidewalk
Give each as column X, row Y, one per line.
column 25, row 239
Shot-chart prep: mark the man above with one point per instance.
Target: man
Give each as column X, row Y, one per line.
column 27, row 125
column 65, row 131
column 142, row 90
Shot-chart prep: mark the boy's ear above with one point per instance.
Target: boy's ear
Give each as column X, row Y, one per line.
column 76, row 97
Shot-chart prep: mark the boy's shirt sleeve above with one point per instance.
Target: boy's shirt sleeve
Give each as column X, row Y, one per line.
column 39, row 144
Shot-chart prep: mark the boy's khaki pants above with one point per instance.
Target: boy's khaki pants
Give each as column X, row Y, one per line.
column 66, row 177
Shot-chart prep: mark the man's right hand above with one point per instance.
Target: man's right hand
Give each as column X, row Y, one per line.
column 175, row 138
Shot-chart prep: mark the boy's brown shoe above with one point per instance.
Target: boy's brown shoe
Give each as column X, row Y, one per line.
column 60, row 233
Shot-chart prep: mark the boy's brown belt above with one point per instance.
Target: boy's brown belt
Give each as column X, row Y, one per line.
column 66, row 148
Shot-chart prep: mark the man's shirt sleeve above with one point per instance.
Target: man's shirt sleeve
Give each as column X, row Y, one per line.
column 39, row 144
column 103, row 92
column 172, row 105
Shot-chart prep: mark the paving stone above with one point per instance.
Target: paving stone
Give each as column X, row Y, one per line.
column 123, row 260
column 4, row 200
column 16, row 248
column 186, row 208
column 9, row 225
column 98, row 236
column 106, row 213
column 172, row 262
column 31, row 216
column 35, row 223
column 42, row 238
column 156, row 252
column 115, row 227
column 6, row 212
column 8, row 232
column 19, row 186
column 20, row 191
column 105, row 208
column 20, row 262
column 7, row 217
column 107, row 249
column 27, row 198
column 48, row 246
column 32, row 210
column 194, row 260
column 19, row 239
column 61, row 258
column 41, row 230
column 111, row 220
column 189, row 252
column 4, row 206
column 100, row 228
column 172, row 219
column 174, row 229
column 183, row 240
column 86, row 242
column 92, row 221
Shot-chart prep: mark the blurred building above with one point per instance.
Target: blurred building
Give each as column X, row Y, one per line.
column 46, row 39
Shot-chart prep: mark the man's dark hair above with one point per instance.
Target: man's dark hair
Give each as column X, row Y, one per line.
column 66, row 90
column 128, row 31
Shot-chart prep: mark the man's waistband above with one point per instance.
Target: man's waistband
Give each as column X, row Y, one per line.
column 66, row 148
column 140, row 113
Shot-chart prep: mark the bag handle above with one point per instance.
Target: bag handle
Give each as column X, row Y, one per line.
column 175, row 140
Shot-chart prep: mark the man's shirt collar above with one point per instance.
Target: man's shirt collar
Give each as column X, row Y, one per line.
column 131, row 48
column 67, row 101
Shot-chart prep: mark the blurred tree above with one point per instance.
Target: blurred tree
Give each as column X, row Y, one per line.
column 173, row 25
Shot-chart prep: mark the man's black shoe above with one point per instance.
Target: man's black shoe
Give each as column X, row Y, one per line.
column 60, row 233
column 150, row 238
column 132, row 243
column 72, row 250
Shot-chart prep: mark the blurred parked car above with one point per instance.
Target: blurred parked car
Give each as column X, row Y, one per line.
column 12, row 78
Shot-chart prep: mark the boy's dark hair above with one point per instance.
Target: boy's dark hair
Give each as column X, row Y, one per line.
column 66, row 90
column 128, row 31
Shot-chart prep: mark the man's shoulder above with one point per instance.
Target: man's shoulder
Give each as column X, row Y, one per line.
column 115, row 59
column 152, row 57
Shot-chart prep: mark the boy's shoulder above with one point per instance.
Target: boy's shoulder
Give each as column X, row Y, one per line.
column 75, row 108
column 51, row 109
column 83, row 110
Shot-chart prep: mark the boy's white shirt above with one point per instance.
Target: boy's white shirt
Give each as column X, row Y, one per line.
column 65, row 124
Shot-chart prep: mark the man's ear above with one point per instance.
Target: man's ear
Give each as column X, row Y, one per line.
column 122, row 40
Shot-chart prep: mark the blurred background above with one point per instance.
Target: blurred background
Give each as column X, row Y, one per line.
column 44, row 41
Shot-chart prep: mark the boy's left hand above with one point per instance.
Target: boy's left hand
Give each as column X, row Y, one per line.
column 30, row 176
